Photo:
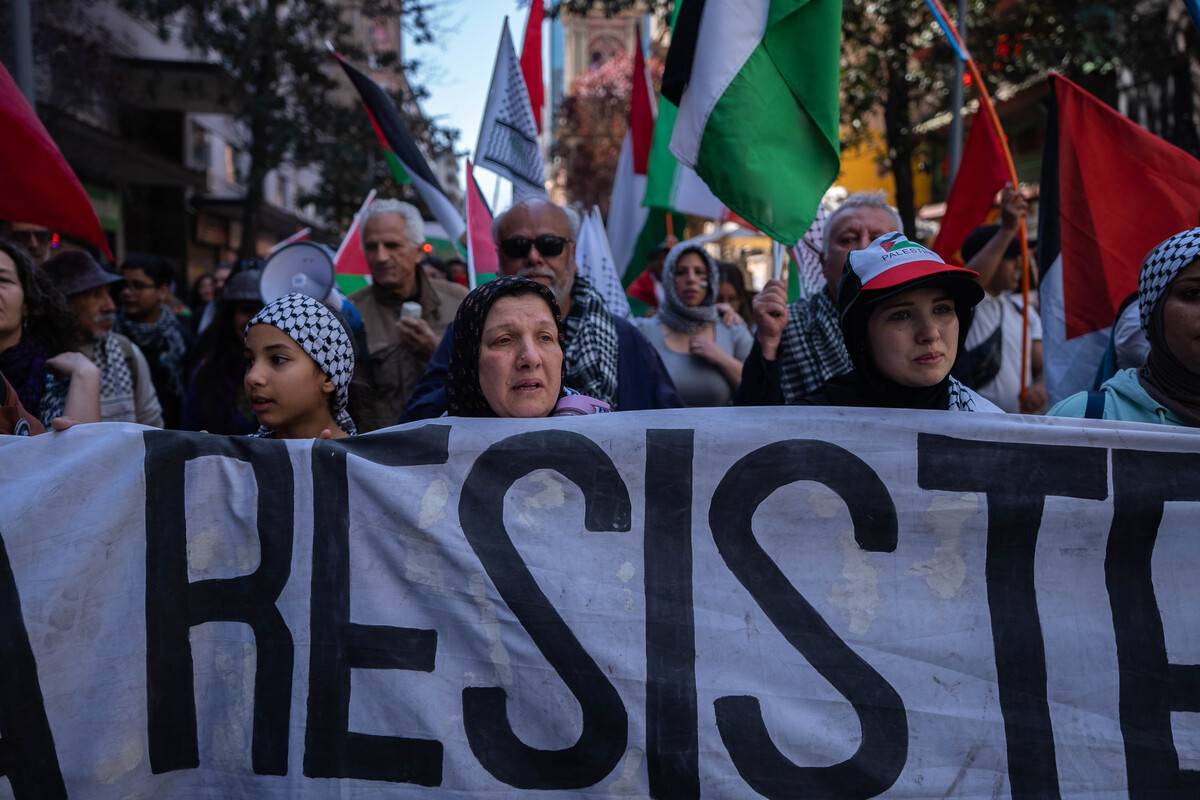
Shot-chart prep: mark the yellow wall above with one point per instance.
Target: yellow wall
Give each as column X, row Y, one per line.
column 861, row 173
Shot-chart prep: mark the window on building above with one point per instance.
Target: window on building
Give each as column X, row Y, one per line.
column 231, row 171
column 198, row 158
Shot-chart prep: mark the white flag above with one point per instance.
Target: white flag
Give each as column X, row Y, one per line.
column 596, row 265
column 508, row 139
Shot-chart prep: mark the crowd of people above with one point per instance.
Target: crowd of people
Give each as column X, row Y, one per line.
column 894, row 327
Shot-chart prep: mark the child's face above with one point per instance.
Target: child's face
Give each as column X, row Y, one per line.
column 286, row 388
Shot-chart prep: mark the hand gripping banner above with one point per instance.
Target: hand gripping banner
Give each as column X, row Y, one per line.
column 791, row 602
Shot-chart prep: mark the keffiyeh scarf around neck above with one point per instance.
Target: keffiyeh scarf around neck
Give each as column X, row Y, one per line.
column 116, row 381
column 591, row 350
column 165, row 337
column 320, row 334
column 674, row 313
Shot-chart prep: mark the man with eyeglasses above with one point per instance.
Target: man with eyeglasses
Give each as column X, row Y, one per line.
column 147, row 320
column 36, row 239
column 604, row 356
column 404, row 314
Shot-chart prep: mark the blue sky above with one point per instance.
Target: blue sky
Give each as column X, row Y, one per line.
column 458, row 68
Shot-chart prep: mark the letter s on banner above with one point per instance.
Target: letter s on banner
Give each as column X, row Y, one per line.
column 881, row 755
column 481, row 514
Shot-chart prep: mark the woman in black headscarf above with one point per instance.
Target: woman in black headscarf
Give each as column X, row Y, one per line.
column 1166, row 389
column 904, row 316
column 507, row 358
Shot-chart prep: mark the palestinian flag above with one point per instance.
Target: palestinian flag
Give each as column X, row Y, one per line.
column 626, row 214
column 483, row 263
column 670, row 185
column 1110, row 192
column 350, row 262
column 982, row 173
column 757, row 86
column 407, row 163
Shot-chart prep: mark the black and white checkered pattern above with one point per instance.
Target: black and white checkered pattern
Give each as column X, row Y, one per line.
column 116, row 381
column 320, row 334
column 1161, row 266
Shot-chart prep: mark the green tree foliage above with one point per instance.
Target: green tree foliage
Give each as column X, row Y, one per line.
column 897, row 63
column 284, row 82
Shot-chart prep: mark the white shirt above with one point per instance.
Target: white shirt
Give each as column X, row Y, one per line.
column 1004, row 310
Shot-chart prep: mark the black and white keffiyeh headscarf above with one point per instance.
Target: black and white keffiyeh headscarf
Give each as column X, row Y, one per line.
column 1161, row 266
column 673, row 312
column 464, row 396
column 320, row 334
column 591, row 350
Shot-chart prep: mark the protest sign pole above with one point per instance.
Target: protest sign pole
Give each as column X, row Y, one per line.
column 985, row 103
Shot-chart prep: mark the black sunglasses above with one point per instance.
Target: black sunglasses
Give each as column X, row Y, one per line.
column 547, row 245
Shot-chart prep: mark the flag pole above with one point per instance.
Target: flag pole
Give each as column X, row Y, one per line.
column 985, row 103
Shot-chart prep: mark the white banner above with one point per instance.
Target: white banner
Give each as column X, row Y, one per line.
column 794, row 602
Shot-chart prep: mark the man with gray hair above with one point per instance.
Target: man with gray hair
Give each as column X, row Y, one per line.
column 404, row 314
column 798, row 347
column 604, row 356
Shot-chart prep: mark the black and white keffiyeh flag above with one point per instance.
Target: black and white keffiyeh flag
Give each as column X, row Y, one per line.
column 591, row 351
column 1161, row 266
column 320, row 334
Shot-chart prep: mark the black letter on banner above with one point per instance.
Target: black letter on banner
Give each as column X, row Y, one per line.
column 1151, row 687
column 331, row 749
column 883, row 751
column 481, row 513
column 174, row 606
column 672, row 751
column 1017, row 478
column 27, row 756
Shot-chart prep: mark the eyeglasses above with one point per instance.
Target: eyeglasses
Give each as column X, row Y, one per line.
column 547, row 245
column 32, row 237
column 138, row 286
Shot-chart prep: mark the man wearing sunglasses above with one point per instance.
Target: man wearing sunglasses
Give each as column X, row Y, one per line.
column 36, row 239
column 603, row 356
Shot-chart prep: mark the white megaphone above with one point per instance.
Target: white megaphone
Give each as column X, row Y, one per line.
column 307, row 268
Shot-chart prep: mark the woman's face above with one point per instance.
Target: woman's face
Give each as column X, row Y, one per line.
column 691, row 279
column 728, row 294
column 12, row 303
column 520, row 359
column 914, row 336
column 1181, row 317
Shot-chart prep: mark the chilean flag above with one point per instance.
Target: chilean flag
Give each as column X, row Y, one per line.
column 1110, row 192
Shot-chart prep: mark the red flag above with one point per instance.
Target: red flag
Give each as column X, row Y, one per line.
column 350, row 258
column 981, row 174
column 531, row 60
column 1122, row 190
column 39, row 185
column 482, row 259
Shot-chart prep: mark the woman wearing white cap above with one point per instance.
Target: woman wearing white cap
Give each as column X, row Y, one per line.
column 1165, row 389
column 904, row 315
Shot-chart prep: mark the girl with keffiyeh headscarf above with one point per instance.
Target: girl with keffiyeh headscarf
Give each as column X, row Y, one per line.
column 299, row 359
column 702, row 354
column 507, row 359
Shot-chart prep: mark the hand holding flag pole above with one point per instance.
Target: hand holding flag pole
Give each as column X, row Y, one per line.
column 985, row 103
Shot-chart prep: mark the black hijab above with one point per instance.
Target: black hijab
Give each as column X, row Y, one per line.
column 464, row 397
